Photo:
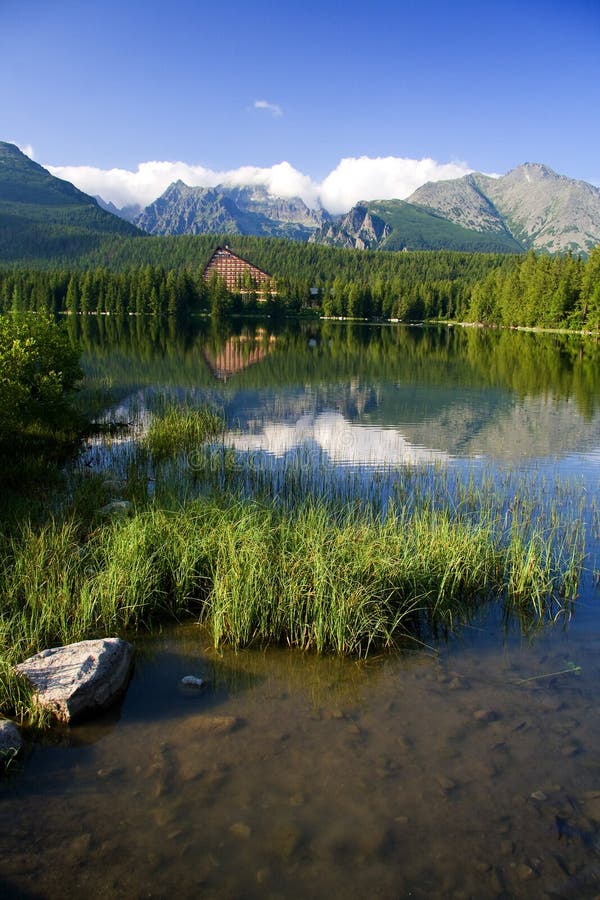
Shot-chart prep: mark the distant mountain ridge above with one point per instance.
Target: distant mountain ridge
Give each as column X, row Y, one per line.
column 229, row 210
column 538, row 208
column 44, row 217
column 398, row 225
column 530, row 207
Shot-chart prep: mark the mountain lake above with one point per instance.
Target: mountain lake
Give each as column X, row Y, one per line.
column 462, row 765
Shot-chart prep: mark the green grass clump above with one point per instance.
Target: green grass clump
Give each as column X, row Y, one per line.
column 320, row 576
column 181, row 430
column 290, row 557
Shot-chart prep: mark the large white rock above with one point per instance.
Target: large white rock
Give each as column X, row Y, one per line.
column 80, row 678
column 10, row 740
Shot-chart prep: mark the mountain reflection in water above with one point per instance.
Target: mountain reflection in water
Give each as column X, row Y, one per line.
column 365, row 394
column 467, row 768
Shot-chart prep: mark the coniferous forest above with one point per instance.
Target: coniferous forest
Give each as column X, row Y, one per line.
column 163, row 276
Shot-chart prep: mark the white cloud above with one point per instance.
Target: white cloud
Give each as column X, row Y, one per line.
column 282, row 180
column 269, row 107
column 353, row 179
column 381, row 178
column 142, row 186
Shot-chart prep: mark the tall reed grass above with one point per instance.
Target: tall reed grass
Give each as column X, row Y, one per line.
column 256, row 561
column 180, row 430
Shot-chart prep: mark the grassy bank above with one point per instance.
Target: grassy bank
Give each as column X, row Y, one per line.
column 256, row 566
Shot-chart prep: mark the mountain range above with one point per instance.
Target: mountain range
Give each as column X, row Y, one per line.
column 43, row 217
column 529, row 208
column 229, row 210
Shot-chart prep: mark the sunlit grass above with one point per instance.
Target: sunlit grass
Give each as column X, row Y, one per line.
column 181, row 431
column 299, row 555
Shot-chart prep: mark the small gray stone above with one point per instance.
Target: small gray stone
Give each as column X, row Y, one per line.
column 79, row 678
column 190, row 686
column 192, row 681
column 240, row 830
column 10, row 740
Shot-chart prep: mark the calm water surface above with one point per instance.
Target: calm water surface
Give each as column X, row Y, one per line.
column 467, row 768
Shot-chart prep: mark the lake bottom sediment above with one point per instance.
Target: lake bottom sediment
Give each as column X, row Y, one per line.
column 468, row 769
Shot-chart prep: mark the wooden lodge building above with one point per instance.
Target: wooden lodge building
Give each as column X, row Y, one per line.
column 239, row 275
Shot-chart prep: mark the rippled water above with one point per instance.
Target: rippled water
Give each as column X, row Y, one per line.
column 468, row 768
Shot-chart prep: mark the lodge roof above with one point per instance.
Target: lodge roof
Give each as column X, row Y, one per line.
column 225, row 251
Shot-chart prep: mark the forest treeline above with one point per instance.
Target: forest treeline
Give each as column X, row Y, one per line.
column 164, row 276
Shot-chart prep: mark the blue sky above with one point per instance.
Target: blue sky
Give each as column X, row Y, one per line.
column 481, row 86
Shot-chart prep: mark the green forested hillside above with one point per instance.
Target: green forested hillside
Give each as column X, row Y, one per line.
column 43, row 218
column 419, row 228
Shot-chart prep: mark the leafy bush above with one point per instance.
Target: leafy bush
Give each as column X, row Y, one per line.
column 38, row 368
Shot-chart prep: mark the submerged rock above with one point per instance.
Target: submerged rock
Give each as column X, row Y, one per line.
column 80, row 678
column 10, row 740
column 218, row 724
column 190, row 685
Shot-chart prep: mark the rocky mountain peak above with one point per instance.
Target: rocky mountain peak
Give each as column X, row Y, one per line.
column 532, row 172
column 537, row 207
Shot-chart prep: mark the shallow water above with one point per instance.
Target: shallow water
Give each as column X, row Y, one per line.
column 465, row 769
column 435, row 773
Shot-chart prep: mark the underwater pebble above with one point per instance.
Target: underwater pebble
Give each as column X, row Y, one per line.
column 446, row 784
column 80, row 845
column 162, row 816
column 552, row 704
column 481, row 866
column 285, row 843
column 216, row 724
column 110, row 772
column 240, row 830
column 569, row 750
column 592, row 804
column 191, row 686
column 485, row 715
column 525, row 872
